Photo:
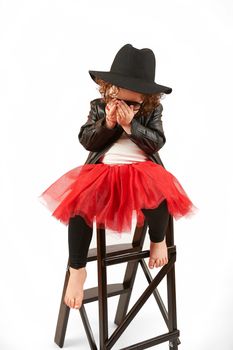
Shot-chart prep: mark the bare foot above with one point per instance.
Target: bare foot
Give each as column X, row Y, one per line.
column 158, row 254
column 74, row 291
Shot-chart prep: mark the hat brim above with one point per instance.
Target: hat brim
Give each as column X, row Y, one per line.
column 129, row 83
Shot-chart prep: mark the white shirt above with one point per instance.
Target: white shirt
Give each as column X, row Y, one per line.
column 124, row 151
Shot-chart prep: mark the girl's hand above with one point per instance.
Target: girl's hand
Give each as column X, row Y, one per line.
column 124, row 113
column 110, row 110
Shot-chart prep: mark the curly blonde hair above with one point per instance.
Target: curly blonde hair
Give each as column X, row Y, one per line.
column 150, row 101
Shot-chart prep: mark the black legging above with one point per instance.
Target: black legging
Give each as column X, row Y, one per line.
column 80, row 234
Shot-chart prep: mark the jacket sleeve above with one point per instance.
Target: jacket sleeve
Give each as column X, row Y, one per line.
column 94, row 135
column 150, row 138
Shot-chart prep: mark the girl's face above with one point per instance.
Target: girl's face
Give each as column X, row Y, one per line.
column 130, row 96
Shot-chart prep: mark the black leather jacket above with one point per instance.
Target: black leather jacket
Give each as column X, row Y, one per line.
column 146, row 132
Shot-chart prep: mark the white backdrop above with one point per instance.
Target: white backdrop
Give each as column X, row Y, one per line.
column 47, row 48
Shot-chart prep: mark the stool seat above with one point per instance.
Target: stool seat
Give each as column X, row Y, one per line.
column 134, row 255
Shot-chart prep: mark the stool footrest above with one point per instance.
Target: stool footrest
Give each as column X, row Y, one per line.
column 154, row 341
column 91, row 294
column 124, row 257
column 112, row 250
column 132, row 254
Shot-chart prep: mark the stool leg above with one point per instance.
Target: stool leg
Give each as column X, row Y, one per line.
column 171, row 292
column 124, row 299
column 102, row 288
column 130, row 274
column 171, row 295
column 63, row 315
column 87, row 327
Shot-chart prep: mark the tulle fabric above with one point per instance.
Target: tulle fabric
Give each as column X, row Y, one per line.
column 110, row 194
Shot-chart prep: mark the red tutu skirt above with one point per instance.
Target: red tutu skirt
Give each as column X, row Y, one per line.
column 110, row 194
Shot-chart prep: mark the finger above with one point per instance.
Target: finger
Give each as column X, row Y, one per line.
column 112, row 107
column 110, row 104
column 119, row 118
column 112, row 110
column 108, row 108
column 126, row 113
column 133, row 110
column 111, row 120
column 113, row 103
column 121, row 111
column 128, row 110
column 120, row 107
column 124, row 106
column 110, row 114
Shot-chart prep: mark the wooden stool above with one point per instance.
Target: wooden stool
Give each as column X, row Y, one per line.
column 133, row 254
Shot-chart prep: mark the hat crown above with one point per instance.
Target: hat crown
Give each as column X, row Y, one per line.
column 135, row 63
column 132, row 69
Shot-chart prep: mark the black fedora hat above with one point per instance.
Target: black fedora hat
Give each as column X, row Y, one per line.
column 133, row 69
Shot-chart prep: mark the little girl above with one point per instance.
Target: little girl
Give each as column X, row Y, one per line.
column 123, row 174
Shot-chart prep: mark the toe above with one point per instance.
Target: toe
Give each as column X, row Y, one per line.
column 72, row 302
column 161, row 262
column 151, row 263
column 69, row 302
column 65, row 300
column 77, row 304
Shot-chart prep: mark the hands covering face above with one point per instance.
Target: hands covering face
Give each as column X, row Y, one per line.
column 117, row 111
